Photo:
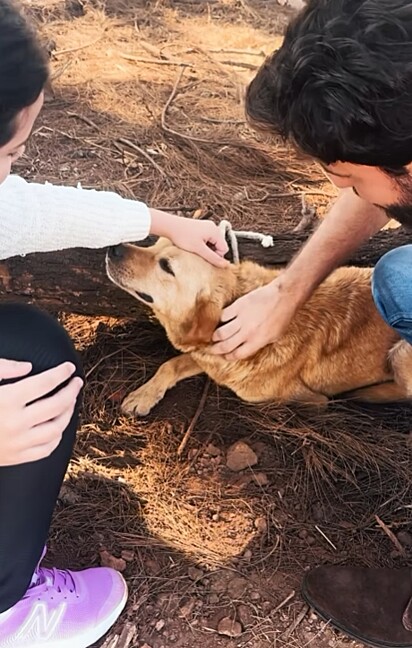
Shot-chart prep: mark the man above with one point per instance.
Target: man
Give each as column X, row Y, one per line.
column 340, row 90
column 40, row 373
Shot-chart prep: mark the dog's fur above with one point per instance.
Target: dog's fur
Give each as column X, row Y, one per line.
column 337, row 343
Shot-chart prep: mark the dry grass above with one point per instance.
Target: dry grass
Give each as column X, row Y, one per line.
column 352, row 462
column 115, row 75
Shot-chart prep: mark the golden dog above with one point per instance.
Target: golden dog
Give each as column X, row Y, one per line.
column 336, row 343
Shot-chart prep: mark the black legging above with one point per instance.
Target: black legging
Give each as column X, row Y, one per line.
column 28, row 492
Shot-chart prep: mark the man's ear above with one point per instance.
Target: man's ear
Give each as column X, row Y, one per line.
column 199, row 327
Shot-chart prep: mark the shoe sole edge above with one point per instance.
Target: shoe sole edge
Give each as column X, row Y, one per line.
column 343, row 630
column 98, row 631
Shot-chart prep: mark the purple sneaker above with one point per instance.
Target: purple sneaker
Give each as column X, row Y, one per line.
column 64, row 609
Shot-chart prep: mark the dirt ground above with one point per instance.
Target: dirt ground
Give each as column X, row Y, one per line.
column 147, row 101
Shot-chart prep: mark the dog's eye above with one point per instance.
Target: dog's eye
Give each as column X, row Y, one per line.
column 165, row 265
column 145, row 297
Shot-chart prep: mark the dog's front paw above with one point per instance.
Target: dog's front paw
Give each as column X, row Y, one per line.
column 141, row 401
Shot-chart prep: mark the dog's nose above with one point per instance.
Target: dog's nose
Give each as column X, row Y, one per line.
column 116, row 252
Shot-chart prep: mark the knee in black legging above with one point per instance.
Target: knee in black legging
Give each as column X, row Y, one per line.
column 28, row 492
column 29, row 334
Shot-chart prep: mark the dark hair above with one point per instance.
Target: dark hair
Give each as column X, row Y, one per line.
column 23, row 68
column 340, row 86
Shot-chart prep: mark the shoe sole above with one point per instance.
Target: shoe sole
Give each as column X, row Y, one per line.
column 96, row 633
column 345, row 631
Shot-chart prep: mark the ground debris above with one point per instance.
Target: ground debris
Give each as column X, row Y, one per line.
column 240, row 456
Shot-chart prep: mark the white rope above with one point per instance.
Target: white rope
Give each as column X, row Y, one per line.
column 227, row 229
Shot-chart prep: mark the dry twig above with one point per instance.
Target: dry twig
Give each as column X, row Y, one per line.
column 296, row 622
column 126, row 142
column 392, row 537
column 284, row 602
column 69, row 50
column 194, row 419
column 308, row 216
column 221, row 50
column 141, row 59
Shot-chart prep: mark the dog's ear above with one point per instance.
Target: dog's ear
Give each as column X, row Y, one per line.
column 198, row 328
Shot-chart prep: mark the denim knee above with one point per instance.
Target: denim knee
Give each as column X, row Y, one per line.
column 392, row 289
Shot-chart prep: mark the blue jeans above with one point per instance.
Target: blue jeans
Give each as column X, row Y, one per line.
column 392, row 290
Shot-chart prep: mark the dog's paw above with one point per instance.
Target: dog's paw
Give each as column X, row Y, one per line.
column 141, row 401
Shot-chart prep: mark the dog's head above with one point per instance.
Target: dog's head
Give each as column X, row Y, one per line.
column 185, row 292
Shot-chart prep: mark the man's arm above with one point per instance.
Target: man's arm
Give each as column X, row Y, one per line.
column 350, row 222
column 262, row 316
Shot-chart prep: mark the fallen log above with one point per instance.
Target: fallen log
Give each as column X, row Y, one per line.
column 75, row 280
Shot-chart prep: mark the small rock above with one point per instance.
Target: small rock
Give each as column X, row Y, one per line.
column 241, row 481
column 187, row 609
column 237, row 587
column 245, row 615
column 152, row 566
column 195, row 573
column 248, row 555
column 261, row 449
column 145, row 645
column 229, row 627
column 261, row 479
column 213, row 598
column 303, row 534
column 261, row 525
column 240, row 456
column 68, row 495
column 128, row 555
column 215, row 517
column 218, row 584
column 108, row 560
column 405, row 538
column 162, row 599
column 255, row 596
column 160, row 625
column 213, row 450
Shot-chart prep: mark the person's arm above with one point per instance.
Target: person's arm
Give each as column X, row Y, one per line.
column 45, row 218
column 350, row 222
column 262, row 316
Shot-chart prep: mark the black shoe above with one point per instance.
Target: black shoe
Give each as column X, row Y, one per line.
column 372, row 606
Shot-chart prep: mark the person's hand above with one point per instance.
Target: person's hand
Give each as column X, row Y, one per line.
column 32, row 430
column 202, row 237
column 253, row 321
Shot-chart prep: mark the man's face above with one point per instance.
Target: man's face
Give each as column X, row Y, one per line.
column 393, row 194
column 14, row 149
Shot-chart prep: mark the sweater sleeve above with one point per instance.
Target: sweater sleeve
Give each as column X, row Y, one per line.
column 43, row 218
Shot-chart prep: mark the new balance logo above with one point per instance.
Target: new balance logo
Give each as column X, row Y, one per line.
column 42, row 623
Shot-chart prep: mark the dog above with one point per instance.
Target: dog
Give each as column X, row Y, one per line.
column 336, row 344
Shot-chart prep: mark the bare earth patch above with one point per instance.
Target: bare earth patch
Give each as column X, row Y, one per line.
column 147, row 101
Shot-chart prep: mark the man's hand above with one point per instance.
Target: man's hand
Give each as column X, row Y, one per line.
column 31, row 428
column 202, row 237
column 253, row 321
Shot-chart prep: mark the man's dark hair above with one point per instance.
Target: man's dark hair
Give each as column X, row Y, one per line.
column 23, row 68
column 340, row 86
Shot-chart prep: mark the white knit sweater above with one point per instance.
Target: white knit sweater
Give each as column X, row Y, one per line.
column 43, row 217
